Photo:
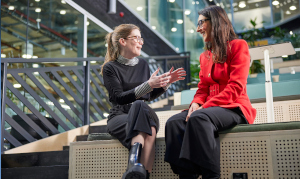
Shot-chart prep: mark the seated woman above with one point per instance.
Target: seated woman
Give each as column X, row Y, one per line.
column 128, row 82
column 221, row 101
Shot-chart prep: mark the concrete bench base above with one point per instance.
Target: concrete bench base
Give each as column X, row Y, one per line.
column 262, row 154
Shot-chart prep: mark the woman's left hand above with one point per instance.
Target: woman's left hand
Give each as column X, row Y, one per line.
column 176, row 75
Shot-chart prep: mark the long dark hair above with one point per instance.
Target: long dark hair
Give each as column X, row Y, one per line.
column 221, row 32
column 112, row 40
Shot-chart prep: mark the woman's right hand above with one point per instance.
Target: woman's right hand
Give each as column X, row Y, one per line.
column 158, row 81
column 193, row 107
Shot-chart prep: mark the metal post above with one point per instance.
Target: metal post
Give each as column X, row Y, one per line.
column 268, row 86
column 3, row 71
column 86, row 119
column 112, row 6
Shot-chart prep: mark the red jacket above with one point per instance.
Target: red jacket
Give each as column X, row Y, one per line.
column 224, row 84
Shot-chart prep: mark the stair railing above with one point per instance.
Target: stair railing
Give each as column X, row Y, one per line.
column 41, row 97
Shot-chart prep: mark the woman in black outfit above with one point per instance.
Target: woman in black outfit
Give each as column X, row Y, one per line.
column 128, row 81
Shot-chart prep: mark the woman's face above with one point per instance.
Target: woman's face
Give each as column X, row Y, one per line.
column 131, row 46
column 204, row 28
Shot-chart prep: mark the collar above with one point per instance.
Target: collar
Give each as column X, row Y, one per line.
column 126, row 61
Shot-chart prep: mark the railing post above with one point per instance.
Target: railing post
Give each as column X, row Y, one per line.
column 86, row 109
column 3, row 93
column 188, row 69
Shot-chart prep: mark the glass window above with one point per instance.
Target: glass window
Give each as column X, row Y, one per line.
column 95, row 40
column 194, row 41
column 285, row 9
column 54, row 31
column 244, row 10
column 140, row 7
column 167, row 19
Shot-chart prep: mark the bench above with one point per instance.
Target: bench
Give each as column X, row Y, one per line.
column 260, row 150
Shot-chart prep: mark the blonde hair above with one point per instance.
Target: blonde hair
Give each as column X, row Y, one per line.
column 112, row 40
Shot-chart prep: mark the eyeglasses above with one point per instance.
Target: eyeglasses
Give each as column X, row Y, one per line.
column 201, row 22
column 136, row 39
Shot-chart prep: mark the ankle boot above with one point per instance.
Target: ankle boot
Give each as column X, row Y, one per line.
column 135, row 170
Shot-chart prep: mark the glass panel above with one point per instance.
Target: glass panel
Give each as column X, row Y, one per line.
column 167, row 19
column 244, row 10
column 55, row 29
column 140, row 7
column 285, row 9
column 194, row 41
column 95, row 41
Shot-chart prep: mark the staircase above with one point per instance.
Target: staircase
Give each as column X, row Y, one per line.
column 41, row 165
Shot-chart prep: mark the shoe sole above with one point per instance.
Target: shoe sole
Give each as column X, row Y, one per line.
column 136, row 172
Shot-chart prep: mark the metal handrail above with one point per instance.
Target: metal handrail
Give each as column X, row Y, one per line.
column 79, row 87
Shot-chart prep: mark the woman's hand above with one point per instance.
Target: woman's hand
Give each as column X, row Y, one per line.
column 193, row 107
column 159, row 81
column 176, row 75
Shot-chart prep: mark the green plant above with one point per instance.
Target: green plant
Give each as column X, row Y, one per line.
column 195, row 69
column 251, row 35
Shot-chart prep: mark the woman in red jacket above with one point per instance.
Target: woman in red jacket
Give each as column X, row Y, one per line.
column 221, row 101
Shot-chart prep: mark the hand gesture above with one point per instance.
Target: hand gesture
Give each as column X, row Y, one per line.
column 176, row 75
column 158, row 81
column 193, row 107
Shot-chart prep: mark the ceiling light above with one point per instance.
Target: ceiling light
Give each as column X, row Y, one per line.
column 218, row 4
column 38, row 10
column 87, row 23
column 26, row 56
column 293, row 8
column 177, row 49
column 63, row 1
column 179, row 21
column 35, row 65
column 174, row 29
column 242, row 4
column 139, row 8
column 63, row 12
column 193, row 2
column 17, row 85
column 36, row 73
column 192, row 31
column 284, row 56
column 288, row 12
column 3, row 55
column 37, row 0
column 34, row 56
column 210, row 0
column 38, row 20
column 61, row 101
column 106, row 45
column 93, row 61
column 11, row 7
column 187, row 12
column 153, row 27
column 197, row 2
column 105, row 114
column 171, row 1
column 275, row 3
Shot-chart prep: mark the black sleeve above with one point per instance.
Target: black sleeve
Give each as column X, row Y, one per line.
column 114, row 87
column 156, row 93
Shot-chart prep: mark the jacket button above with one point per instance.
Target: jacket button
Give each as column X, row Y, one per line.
column 209, row 75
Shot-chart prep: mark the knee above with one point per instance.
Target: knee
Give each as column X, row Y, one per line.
column 198, row 117
column 138, row 103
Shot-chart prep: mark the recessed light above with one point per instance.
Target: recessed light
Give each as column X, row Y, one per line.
column 38, row 10
column 11, row 7
column 63, row 12
column 174, row 29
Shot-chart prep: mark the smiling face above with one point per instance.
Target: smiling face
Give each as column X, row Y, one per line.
column 130, row 47
column 205, row 29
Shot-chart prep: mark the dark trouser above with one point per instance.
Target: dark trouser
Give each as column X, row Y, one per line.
column 194, row 147
column 140, row 118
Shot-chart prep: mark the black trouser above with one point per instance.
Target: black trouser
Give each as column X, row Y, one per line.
column 194, row 147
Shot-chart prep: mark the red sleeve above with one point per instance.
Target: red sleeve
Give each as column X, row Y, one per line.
column 239, row 68
column 203, row 89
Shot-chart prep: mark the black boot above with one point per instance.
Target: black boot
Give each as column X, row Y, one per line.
column 135, row 170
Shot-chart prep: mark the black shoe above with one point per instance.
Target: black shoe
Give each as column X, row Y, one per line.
column 148, row 175
column 135, row 170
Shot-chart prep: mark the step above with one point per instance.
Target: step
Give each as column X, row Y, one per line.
column 35, row 159
column 81, row 138
column 41, row 172
column 98, row 129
